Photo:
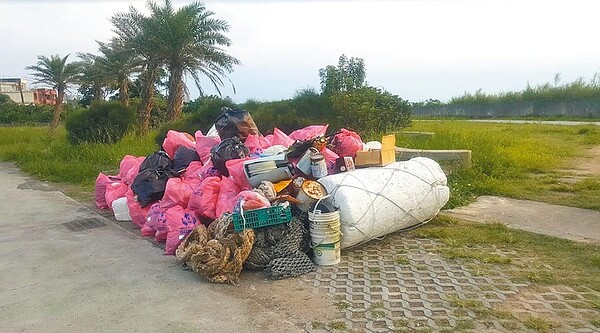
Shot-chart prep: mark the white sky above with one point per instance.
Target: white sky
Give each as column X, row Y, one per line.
column 416, row 49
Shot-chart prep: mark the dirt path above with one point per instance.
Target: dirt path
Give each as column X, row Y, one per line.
column 588, row 165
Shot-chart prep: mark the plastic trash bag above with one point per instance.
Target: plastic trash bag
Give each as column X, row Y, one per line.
column 236, row 171
column 204, row 144
column 180, row 223
column 100, row 189
column 309, row 132
column 227, row 196
column 183, row 157
column 235, row 122
column 156, row 161
column 347, row 143
column 136, row 212
column 280, row 138
column 256, row 143
column 177, row 193
column 154, row 214
column 193, row 171
column 249, row 200
column 204, row 197
column 175, row 139
column 114, row 191
column 129, row 168
column 150, row 185
column 228, row 149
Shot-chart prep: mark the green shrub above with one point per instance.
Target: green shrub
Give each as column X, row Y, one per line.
column 371, row 110
column 102, row 122
column 199, row 114
column 13, row 113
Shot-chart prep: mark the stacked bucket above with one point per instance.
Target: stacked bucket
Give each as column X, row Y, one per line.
column 325, row 236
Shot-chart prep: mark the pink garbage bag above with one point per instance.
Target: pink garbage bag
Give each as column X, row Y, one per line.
column 115, row 191
column 193, row 171
column 280, row 138
column 174, row 140
column 129, row 168
column 227, row 196
column 257, row 143
column 236, row 171
column 309, row 132
column 204, row 144
column 137, row 213
column 204, row 197
column 330, row 158
column 347, row 143
column 180, row 222
column 177, row 192
column 100, row 189
column 249, row 200
column 155, row 213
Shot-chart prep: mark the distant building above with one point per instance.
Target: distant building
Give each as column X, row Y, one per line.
column 16, row 90
column 44, row 96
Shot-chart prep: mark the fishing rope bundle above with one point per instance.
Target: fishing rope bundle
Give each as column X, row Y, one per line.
column 216, row 253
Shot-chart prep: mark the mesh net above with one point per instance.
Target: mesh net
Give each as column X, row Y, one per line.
column 293, row 265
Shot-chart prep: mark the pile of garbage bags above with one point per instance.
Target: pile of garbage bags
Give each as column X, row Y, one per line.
column 234, row 199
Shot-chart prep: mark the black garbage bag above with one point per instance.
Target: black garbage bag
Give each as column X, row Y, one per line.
column 156, row 161
column 183, row 157
column 149, row 185
column 235, row 122
column 228, row 149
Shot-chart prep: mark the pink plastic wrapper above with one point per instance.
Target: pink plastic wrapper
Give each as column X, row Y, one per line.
column 250, row 200
column 204, row 144
column 227, row 196
column 137, row 213
column 204, row 198
column 174, row 140
column 100, row 189
column 309, row 132
column 180, row 222
column 177, row 192
column 129, row 168
column 154, row 214
column 347, row 143
column 115, row 191
column 236, row 171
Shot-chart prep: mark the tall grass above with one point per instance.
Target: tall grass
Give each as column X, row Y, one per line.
column 576, row 90
column 515, row 160
column 52, row 158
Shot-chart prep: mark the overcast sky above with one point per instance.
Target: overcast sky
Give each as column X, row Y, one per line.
column 416, row 49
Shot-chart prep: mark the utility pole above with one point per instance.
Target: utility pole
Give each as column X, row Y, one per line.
column 21, row 90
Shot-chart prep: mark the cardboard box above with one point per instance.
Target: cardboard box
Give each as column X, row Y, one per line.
column 383, row 157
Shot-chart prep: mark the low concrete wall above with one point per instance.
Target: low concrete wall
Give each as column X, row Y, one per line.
column 457, row 158
column 586, row 108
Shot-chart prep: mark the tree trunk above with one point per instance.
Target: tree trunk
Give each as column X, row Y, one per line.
column 175, row 100
column 57, row 109
column 124, row 91
column 97, row 93
column 145, row 107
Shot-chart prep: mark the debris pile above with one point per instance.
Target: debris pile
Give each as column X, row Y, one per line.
column 234, row 199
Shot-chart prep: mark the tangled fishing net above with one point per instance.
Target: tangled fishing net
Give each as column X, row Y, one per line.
column 278, row 249
column 216, row 252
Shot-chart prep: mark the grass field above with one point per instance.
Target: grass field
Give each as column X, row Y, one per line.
column 516, row 160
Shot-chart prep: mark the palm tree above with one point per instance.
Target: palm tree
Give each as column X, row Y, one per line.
column 92, row 76
column 56, row 73
column 135, row 32
column 119, row 63
column 191, row 42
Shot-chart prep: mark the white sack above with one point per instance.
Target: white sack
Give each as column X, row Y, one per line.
column 376, row 201
column 121, row 209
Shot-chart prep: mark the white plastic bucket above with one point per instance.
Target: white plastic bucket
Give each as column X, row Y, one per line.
column 327, row 254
